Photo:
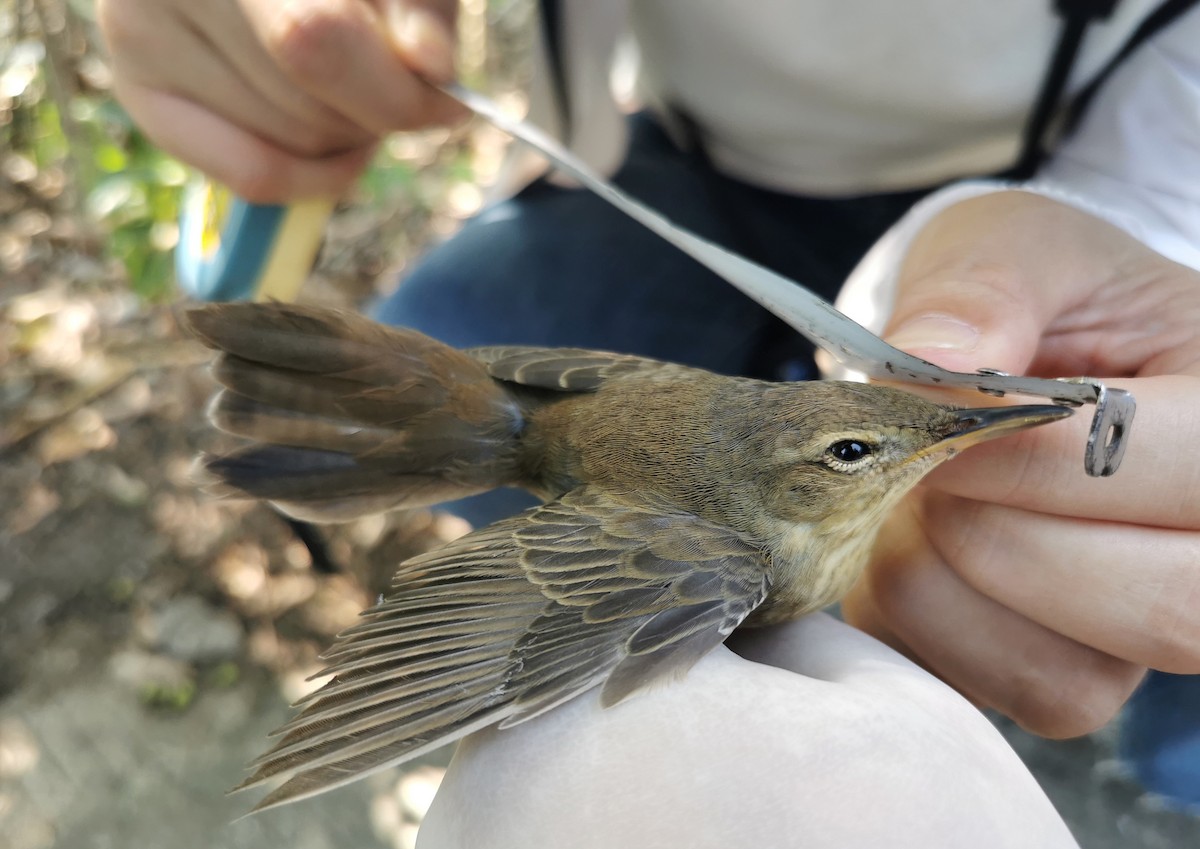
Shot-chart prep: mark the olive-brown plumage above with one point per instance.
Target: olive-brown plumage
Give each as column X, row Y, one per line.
column 679, row 504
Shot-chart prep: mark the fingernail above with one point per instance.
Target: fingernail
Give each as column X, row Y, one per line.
column 424, row 40
column 935, row 331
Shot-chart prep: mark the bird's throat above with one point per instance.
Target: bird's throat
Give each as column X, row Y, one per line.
column 814, row 566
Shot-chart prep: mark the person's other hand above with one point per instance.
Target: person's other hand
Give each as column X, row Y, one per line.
column 816, row 736
column 1030, row 587
column 280, row 100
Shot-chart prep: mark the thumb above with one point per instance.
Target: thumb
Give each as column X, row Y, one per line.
column 963, row 323
column 983, row 279
column 423, row 33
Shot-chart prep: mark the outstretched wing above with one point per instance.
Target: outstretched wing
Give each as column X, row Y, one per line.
column 510, row 621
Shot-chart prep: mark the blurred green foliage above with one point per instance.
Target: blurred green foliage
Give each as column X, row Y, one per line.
column 132, row 191
column 92, row 160
column 129, row 189
column 63, row 134
column 170, row 697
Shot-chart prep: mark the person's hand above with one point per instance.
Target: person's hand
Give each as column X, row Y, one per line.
column 1030, row 587
column 817, row 736
column 280, row 100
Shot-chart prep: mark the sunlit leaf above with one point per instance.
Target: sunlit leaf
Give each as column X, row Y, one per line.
column 111, row 158
column 114, row 195
column 169, row 172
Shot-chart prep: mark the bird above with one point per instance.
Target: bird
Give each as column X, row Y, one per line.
column 678, row 505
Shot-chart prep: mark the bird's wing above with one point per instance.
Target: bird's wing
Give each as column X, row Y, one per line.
column 561, row 369
column 511, row 620
column 637, row 591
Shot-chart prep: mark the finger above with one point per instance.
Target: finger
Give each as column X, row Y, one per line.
column 1047, row 682
column 985, row 277
column 1143, row 324
column 158, row 48
column 199, row 73
column 340, row 52
column 313, row 129
column 1015, row 281
column 251, row 167
column 1041, row 470
column 422, row 33
column 1128, row 591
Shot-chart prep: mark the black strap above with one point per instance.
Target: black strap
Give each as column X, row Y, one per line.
column 551, row 22
column 1154, row 22
column 1076, row 15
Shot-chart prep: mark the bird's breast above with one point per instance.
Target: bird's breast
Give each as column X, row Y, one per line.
column 813, row 567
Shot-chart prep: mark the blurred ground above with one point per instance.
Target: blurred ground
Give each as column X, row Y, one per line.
column 150, row 637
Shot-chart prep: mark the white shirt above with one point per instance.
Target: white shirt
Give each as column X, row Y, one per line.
column 844, row 97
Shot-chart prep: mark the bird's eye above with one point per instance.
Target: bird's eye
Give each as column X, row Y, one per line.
column 850, row 450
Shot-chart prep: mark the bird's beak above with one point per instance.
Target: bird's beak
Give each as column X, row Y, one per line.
column 977, row 425
column 970, row 427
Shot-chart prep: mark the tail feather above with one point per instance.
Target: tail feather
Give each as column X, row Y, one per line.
column 350, row 417
column 400, row 394
column 272, row 425
column 309, row 339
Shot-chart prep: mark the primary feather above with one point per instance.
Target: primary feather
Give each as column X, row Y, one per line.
column 510, row 621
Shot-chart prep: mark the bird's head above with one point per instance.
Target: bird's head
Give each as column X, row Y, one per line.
column 844, row 450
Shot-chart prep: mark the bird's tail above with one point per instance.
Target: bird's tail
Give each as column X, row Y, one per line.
column 349, row 417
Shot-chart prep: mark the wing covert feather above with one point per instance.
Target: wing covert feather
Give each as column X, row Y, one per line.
column 561, row 369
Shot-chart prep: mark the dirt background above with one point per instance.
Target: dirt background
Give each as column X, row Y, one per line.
column 151, row 637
